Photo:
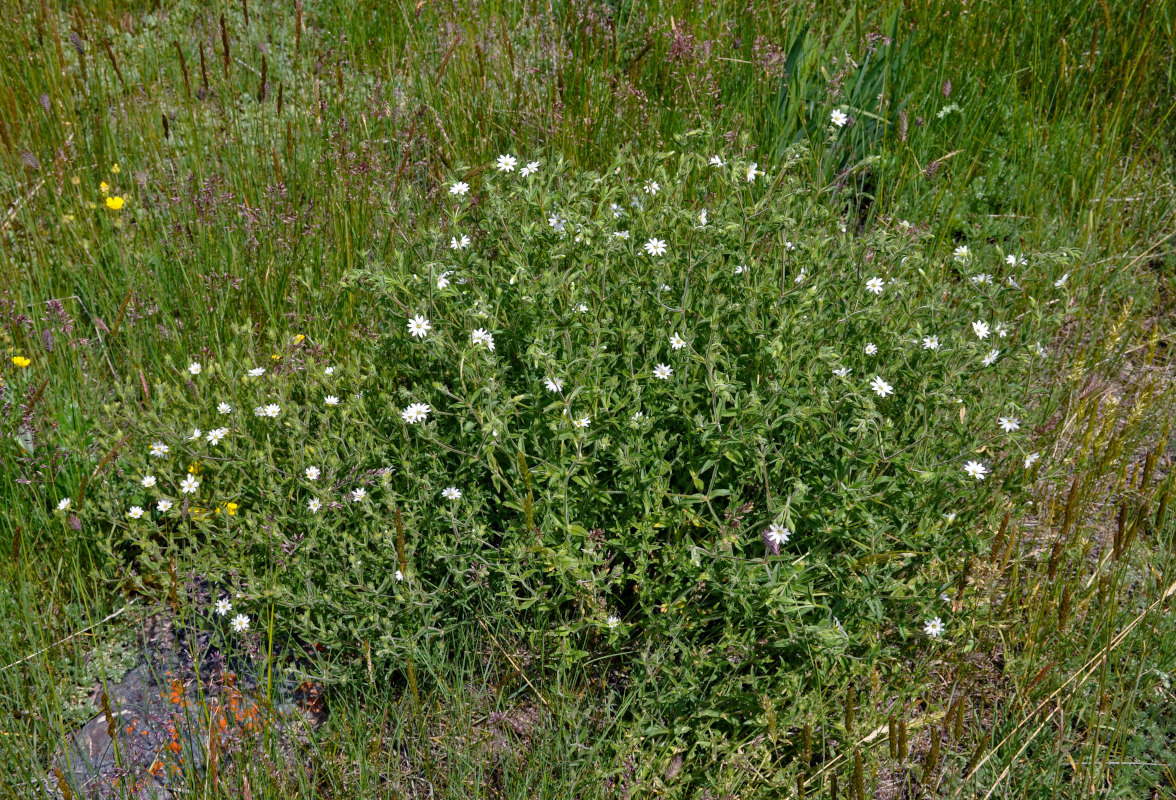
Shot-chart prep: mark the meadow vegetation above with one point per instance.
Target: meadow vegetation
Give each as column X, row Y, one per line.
column 597, row 399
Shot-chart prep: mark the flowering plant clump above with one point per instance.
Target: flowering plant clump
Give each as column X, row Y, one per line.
column 754, row 435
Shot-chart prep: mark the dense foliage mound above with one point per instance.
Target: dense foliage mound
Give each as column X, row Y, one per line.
column 677, row 412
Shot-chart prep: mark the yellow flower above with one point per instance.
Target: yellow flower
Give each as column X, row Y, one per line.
column 21, row 361
column 103, row 187
column 298, row 339
column 114, row 203
column 114, row 168
column 194, row 468
column 276, row 357
column 231, row 509
column 75, row 180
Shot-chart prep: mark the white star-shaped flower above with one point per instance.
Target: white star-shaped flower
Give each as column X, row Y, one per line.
column 976, row 470
column 881, row 387
column 419, row 327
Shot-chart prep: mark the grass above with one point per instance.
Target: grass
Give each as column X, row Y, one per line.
column 309, row 202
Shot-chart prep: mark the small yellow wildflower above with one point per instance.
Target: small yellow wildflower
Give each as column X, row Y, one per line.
column 104, row 187
column 276, row 357
column 298, row 339
column 194, row 468
column 21, row 361
column 231, row 509
column 114, row 203
column 114, row 168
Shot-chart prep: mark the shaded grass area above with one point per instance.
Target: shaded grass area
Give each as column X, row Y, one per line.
column 259, row 175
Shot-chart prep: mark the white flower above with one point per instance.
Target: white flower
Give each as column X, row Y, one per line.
column 189, row 484
column 716, row 161
column 582, row 422
column 777, row 534
column 158, row 449
column 950, row 516
column 976, row 470
column 961, row 253
column 331, row 400
column 459, row 188
column 933, row 628
column 135, row 512
column 638, row 416
column 273, row 410
column 1031, row 459
column 617, row 210
column 553, row 384
column 417, row 412
column 1001, row 330
column 1015, row 260
column 1039, row 350
column 194, row 368
column 163, row 505
column 875, row 285
column 312, row 473
column 702, row 218
column 531, row 168
column 459, row 244
column 196, row 434
column 556, row 223
column 842, row 372
column 838, row 118
column 329, row 371
column 982, row 278
column 980, row 328
column 399, row 575
column 358, row 494
column 419, row 327
column 451, row 493
column 677, row 342
column 655, row 247
column 483, row 337
column 663, row 371
column 223, row 606
column 314, row 504
column 652, row 187
column 256, row 372
column 930, row 342
column 742, row 268
column 1009, row 424
column 990, row 359
column 581, row 309
column 881, row 387
column 1060, row 282
column 620, row 234
column 216, row 434
column 752, row 171
column 148, row 481
column 241, row 623
column 64, row 504
column 800, row 276
column 443, row 280
column 613, row 621
column 506, row 163
column 871, row 349
column 224, row 408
